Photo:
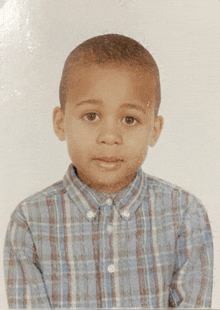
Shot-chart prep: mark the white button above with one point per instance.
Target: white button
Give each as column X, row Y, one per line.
column 90, row 214
column 109, row 228
column 126, row 213
column 109, row 201
column 111, row 268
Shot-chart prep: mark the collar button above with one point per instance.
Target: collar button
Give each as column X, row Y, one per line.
column 126, row 213
column 90, row 214
column 109, row 201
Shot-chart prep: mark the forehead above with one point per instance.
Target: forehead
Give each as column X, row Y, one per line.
column 91, row 79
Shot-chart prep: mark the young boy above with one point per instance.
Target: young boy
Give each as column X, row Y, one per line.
column 109, row 235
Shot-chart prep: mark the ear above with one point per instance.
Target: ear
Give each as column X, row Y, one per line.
column 158, row 126
column 58, row 123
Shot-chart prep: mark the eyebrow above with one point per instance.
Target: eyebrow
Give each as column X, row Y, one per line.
column 89, row 101
column 133, row 106
column 124, row 105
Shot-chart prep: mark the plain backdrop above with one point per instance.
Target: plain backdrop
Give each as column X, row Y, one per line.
column 184, row 38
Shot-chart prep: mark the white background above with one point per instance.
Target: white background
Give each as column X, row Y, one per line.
column 184, row 38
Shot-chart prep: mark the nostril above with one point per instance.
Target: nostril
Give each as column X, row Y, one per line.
column 109, row 138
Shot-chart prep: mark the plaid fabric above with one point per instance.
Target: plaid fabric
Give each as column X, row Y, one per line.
column 148, row 246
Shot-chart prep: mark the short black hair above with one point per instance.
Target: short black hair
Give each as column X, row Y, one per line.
column 111, row 49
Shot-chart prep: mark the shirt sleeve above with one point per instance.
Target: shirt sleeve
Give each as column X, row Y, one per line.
column 193, row 273
column 24, row 280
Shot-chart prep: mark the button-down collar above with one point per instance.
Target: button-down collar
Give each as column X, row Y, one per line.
column 89, row 200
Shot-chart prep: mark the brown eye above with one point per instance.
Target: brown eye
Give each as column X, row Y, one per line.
column 91, row 117
column 130, row 120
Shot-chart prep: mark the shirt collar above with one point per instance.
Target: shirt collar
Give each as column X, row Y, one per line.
column 89, row 201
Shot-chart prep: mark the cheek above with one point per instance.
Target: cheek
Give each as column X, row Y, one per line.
column 137, row 149
column 139, row 139
column 78, row 134
column 79, row 143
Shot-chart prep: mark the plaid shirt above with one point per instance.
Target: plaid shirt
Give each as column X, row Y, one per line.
column 147, row 246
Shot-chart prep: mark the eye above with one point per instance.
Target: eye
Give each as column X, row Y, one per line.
column 129, row 120
column 91, row 117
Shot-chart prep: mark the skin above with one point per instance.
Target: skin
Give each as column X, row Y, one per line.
column 108, row 124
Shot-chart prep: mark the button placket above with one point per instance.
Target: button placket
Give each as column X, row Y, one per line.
column 108, row 209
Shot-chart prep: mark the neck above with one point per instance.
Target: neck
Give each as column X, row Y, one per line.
column 107, row 188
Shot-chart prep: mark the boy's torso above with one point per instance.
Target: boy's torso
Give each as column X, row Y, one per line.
column 120, row 253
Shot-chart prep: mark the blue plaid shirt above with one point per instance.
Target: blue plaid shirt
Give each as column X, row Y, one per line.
column 147, row 246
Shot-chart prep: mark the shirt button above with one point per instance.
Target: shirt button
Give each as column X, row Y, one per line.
column 90, row 214
column 109, row 228
column 108, row 201
column 126, row 213
column 111, row 268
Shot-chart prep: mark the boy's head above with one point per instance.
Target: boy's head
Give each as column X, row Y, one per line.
column 111, row 50
column 109, row 96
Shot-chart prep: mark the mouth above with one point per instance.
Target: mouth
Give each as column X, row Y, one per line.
column 109, row 159
column 109, row 163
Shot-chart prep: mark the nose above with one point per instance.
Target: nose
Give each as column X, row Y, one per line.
column 109, row 134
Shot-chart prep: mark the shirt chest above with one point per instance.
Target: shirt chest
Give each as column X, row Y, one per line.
column 108, row 260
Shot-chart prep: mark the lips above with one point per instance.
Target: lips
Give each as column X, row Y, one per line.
column 109, row 159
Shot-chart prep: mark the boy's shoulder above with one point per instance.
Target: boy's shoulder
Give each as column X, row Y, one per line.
column 51, row 191
column 173, row 194
column 39, row 200
column 161, row 186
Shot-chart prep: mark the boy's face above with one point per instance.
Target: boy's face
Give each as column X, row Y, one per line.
column 108, row 124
